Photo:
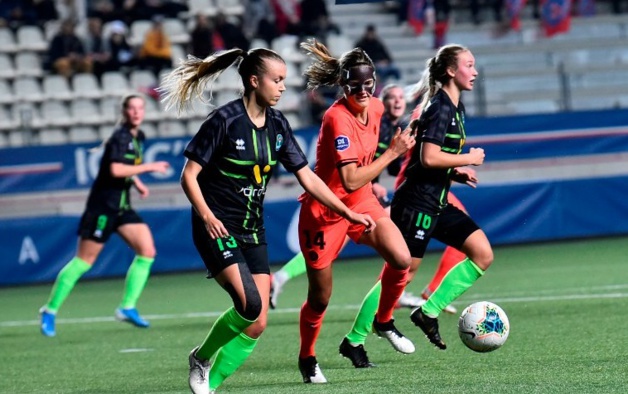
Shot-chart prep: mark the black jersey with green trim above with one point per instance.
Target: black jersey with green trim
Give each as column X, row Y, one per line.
column 387, row 130
column 238, row 160
column 442, row 124
column 112, row 193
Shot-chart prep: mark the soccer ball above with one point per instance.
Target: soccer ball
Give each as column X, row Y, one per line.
column 483, row 327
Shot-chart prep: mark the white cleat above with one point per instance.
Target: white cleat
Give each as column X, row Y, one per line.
column 409, row 300
column 276, row 287
column 450, row 309
column 398, row 341
column 199, row 374
column 311, row 371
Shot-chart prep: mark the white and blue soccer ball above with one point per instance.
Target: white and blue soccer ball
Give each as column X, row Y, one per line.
column 483, row 326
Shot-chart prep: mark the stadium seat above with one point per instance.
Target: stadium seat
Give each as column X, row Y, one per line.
column 31, row 38
column 109, row 109
column 142, row 79
column 138, row 31
column 176, row 31
column 6, row 92
column 115, row 84
column 153, row 111
column 27, row 89
column 80, row 134
column 7, row 122
column 7, row 71
column 56, row 114
column 86, row 85
column 53, row 137
column 28, row 64
column 85, row 112
column 7, row 41
column 56, row 87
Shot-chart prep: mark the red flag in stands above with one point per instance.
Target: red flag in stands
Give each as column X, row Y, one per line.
column 416, row 15
column 513, row 10
column 555, row 16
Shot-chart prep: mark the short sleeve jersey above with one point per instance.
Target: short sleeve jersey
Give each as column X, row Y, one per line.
column 343, row 140
column 111, row 193
column 442, row 123
column 238, row 160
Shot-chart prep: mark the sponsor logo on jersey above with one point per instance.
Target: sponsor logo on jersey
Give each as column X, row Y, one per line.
column 279, row 142
column 251, row 191
column 342, row 143
column 420, row 234
column 240, row 144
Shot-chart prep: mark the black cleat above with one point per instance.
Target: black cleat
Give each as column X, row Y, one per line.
column 310, row 370
column 356, row 354
column 429, row 326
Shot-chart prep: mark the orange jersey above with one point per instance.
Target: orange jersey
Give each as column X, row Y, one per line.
column 342, row 140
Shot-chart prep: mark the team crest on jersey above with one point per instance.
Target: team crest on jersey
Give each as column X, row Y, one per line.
column 131, row 147
column 342, row 143
column 279, row 142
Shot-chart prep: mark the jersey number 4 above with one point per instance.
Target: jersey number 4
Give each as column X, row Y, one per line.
column 318, row 239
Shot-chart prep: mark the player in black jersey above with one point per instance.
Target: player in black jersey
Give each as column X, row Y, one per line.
column 229, row 163
column 108, row 210
column 419, row 207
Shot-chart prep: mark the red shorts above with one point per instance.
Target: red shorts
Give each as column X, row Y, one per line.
column 322, row 232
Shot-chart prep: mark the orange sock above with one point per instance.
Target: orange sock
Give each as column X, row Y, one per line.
column 393, row 283
column 310, row 323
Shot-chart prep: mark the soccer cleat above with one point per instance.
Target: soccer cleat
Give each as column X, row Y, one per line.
column 276, row 286
column 397, row 340
column 47, row 322
column 131, row 315
column 429, row 325
column 310, row 370
column 448, row 309
column 409, row 300
column 356, row 354
column 199, row 374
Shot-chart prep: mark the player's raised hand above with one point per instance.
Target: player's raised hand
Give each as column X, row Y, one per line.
column 402, row 142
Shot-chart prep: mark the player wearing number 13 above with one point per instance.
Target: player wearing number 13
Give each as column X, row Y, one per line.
column 419, row 207
column 229, row 163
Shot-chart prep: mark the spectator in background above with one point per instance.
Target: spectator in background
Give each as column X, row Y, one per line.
column 288, row 16
column 311, row 13
column 66, row 53
column 377, row 51
column 15, row 13
column 97, row 47
column 442, row 9
column 201, row 42
column 122, row 54
column 156, row 50
column 46, row 11
column 323, row 28
column 259, row 20
column 231, row 33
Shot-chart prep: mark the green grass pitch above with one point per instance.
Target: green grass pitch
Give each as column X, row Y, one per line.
column 567, row 305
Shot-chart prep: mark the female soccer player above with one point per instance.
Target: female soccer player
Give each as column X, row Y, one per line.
column 344, row 160
column 419, row 207
column 109, row 210
column 229, row 163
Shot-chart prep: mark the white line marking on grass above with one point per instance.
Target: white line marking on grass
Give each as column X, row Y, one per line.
column 90, row 320
column 135, row 350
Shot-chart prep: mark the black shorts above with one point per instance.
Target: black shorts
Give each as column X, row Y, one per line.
column 452, row 227
column 218, row 254
column 98, row 226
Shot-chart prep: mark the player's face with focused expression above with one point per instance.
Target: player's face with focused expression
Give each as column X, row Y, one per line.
column 134, row 112
column 464, row 76
column 359, row 85
column 270, row 85
column 395, row 103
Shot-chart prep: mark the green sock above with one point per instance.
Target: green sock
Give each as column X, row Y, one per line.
column 136, row 278
column 66, row 279
column 363, row 323
column 293, row 268
column 454, row 284
column 228, row 326
column 229, row 358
